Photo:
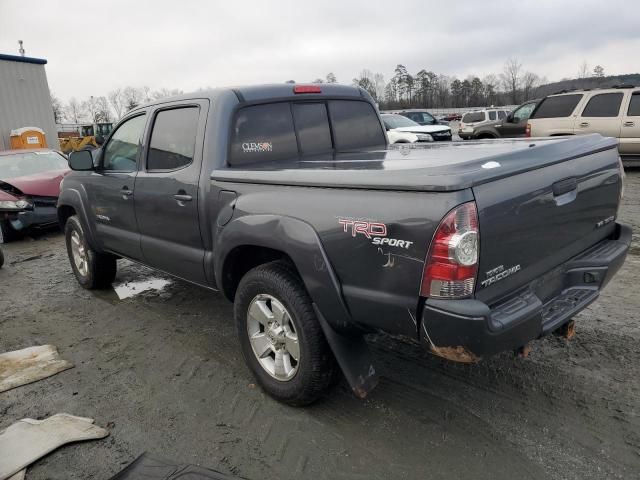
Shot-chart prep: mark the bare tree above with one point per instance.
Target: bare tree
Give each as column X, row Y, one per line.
column 378, row 81
column 90, row 107
column 366, row 81
column 530, row 82
column 74, row 111
column 331, row 78
column 511, row 78
column 165, row 93
column 584, row 71
column 103, row 112
column 58, row 110
column 116, row 101
column 132, row 97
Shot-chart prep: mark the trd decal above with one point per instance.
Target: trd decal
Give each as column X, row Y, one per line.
column 375, row 231
column 392, row 242
column 368, row 229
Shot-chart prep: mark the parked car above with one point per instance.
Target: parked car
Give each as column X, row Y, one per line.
column 286, row 199
column 9, row 209
column 420, row 116
column 425, row 133
column 513, row 125
column 396, row 136
column 31, row 178
column 476, row 118
column 613, row 112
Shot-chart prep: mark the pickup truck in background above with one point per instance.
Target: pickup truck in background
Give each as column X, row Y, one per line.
column 287, row 199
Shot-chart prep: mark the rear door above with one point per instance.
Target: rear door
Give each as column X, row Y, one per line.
column 167, row 192
column 556, row 115
column 630, row 131
column 111, row 189
column 601, row 114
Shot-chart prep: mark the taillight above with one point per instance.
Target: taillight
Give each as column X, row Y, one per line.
column 307, row 89
column 527, row 131
column 452, row 262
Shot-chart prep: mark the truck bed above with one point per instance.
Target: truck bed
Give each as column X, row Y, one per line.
column 427, row 168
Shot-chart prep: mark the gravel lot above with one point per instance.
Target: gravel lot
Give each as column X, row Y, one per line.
column 163, row 371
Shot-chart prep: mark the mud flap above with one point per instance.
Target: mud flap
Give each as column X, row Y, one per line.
column 353, row 356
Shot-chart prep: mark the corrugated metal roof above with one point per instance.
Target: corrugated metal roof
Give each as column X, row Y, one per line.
column 16, row 58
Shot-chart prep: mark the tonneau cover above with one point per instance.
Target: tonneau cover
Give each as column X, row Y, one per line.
column 432, row 167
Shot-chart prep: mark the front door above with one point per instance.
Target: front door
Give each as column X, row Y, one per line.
column 167, row 193
column 111, row 190
column 518, row 121
column 601, row 115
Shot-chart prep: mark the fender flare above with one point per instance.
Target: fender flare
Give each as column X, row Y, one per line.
column 74, row 198
column 301, row 243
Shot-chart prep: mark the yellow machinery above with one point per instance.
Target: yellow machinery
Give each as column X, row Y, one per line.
column 84, row 137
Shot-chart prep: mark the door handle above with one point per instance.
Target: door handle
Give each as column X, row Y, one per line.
column 182, row 197
column 584, row 124
column 628, row 124
column 125, row 192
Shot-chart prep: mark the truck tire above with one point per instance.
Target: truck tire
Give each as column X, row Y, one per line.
column 9, row 234
column 281, row 339
column 93, row 270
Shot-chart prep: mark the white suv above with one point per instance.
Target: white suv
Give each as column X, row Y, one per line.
column 471, row 120
column 613, row 112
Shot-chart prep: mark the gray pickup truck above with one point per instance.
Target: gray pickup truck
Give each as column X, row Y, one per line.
column 288, row 200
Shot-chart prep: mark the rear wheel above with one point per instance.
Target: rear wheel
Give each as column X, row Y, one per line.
column 93, row 270
column 282, row 341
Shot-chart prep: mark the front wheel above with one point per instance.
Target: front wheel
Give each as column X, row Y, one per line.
column 282, row 341
column 93, row 270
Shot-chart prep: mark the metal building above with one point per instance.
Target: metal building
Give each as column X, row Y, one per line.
column 24, row 98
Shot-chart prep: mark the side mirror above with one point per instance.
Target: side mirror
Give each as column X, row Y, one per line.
column 386, row 127
column 515, row 119
column 99, row 139
column 510, row 118
column 81, row 161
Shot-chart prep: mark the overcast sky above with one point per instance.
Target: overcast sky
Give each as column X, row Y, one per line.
column 191, row 44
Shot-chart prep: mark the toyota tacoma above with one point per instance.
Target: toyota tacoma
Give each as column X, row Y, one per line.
column 289, row 201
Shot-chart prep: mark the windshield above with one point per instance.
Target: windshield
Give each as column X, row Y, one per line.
column 398, row 121
column 30, row 163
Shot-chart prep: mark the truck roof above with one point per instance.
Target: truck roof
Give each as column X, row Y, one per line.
column 257, row 93
column 443, row 166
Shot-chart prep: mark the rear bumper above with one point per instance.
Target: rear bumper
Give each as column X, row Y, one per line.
column 467, row 330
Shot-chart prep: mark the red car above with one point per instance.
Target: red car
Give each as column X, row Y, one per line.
column 29, row 186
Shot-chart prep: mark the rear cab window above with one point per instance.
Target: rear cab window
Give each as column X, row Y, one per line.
column 558, row 106
column 603, row 105
column 290, row 130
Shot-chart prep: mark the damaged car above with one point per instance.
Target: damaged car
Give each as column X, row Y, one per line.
column 30, row 185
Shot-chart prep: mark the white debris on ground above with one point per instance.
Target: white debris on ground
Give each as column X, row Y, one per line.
column 130, row 289
column 28, row 440
column 29, row 365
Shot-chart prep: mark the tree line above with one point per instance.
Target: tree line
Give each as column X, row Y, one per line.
column 423, row 89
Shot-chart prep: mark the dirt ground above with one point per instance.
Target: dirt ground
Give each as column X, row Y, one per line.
column 163, row 370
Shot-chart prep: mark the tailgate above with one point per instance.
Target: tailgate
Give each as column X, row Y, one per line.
column 532, row 222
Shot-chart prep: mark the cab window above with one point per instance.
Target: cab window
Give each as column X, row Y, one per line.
column 634, row 105
column 121, row 153
column 173, row 139
column 603, row 105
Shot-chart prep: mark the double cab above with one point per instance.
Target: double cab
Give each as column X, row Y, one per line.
column 289, row 201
